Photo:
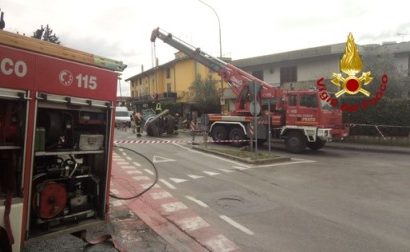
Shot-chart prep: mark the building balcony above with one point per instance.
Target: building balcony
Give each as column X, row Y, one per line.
column 166, row 96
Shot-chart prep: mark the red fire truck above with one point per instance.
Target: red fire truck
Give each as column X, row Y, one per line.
column 299, row 117
column 56, row 131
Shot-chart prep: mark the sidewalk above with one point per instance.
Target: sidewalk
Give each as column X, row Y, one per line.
column 368, row 147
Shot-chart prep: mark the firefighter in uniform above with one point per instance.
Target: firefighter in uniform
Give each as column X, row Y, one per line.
column 137, row 122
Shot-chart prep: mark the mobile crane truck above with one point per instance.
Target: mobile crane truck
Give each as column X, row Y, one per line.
column 299, row 117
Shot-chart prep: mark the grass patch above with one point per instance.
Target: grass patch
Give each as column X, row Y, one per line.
column 247, row 154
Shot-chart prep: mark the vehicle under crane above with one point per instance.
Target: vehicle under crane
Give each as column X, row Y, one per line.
column 299, row 117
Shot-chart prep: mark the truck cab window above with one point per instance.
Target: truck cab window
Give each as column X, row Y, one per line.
column 292, row 100
column 309, row 100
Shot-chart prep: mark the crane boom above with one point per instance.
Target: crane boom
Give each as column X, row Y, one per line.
column 237, row 78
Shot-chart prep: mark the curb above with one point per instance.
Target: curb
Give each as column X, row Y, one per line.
column 370, row 148
column 244, row 160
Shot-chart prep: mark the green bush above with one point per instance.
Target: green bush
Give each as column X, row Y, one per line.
column 388, row 111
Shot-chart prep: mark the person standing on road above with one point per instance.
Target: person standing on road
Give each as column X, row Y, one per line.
column 137, row 122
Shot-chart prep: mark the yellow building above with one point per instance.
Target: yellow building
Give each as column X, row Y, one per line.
column 169, row 83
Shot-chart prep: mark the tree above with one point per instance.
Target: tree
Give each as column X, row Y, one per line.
column 205, row 94
column 384, row 63
column 46, row 34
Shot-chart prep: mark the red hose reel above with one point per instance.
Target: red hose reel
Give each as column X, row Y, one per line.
column 50, row 199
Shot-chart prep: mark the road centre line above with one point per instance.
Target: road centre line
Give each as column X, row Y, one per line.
column 197, row 201
column 213, row 156
column 169, row 185
column 236, row 224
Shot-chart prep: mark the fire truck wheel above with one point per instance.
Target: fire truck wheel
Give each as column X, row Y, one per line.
column 316, row 145
column 236, row 134
column 219, row 133
column 295, row 142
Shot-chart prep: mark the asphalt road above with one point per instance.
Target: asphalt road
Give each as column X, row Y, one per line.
column 330, row 200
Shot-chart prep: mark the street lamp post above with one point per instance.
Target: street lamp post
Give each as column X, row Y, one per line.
column 220, row 42
column 219, row 26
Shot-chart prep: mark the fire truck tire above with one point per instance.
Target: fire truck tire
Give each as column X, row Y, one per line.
column 316, row 145
column 219, row 133
column 236, row 134
column 295, row 142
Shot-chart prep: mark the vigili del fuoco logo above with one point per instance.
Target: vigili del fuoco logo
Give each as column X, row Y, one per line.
column 349, row 83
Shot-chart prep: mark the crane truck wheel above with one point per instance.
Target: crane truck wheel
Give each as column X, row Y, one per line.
column 235, row 135
column 219, row 133
column 316, row 145
column 295, row 142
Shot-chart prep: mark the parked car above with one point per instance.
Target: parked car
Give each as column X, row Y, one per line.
column 122, row 117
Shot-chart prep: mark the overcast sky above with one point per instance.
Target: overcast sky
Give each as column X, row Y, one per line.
column 121, row 29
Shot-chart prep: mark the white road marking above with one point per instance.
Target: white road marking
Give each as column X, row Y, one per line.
column 286, row 163
column 149, row 171
column 127, row 167
column 173, row 207
column 236, row 224
column 197, row 201
column 121, row 149
column 195, row 176
column 133, row 172
column 211, row 173
column 114, row 191
column 145, row 186
column 169, row 185
column 128, row 158
column 139, row 178
column 225, row 170
column 116, row 203
column 210, row 155
column 160, row 195
column 158, row 159
column 240, row 168
column 221, row 244
column 123, row 163
column 137, row 164
column 192, row 223
column 178, row 180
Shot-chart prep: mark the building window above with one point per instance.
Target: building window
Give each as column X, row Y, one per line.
column 309, row 101
column 258, row 74
column 168, row 72
column 288, row 74
column 169, row 88
column 292, row 100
